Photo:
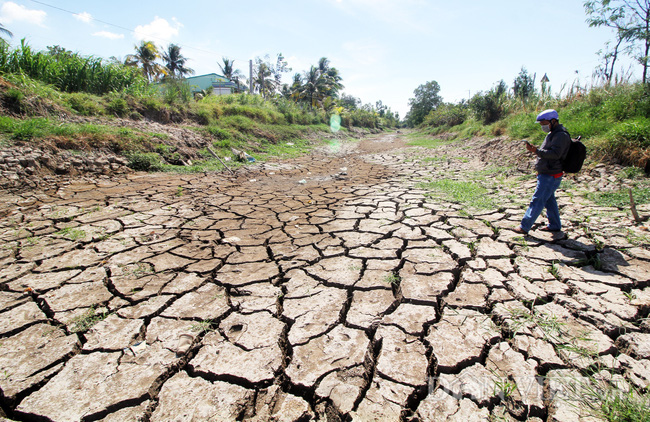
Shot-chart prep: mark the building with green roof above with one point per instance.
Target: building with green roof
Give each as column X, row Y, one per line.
column 218, row 84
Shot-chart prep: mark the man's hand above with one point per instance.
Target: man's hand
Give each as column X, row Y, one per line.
column 531, row 147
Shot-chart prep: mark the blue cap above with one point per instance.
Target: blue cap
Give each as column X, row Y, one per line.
column 548, row 115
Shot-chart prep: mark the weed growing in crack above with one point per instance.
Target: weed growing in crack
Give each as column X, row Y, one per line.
column 71, row 233
column 85, row 321
column 636, row 238
column 522, row 242
column 549, row 325
column 554, row 269
column 611, row 400
column 492, row 227
column 591, row 260
column 203, row 326
column 630, row 296
column 504, row 388
column 599, row 396
column 392, row 279
column 31, row 241
column 179, row 191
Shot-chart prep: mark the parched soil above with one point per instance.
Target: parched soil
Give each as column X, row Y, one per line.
column 328, row 287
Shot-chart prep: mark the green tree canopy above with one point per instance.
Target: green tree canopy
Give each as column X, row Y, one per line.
column 524, row 85
column 145, row 58
column 631, row 21
column 427, row 98
column 175, row 62
column 228, row 70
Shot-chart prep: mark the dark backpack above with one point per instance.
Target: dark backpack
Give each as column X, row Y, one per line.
column 575, row 157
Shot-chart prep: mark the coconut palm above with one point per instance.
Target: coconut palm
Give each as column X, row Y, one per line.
column 175, row 62
column 228, row 70
column 263, row 79
column 145, row 57
column 5, row 31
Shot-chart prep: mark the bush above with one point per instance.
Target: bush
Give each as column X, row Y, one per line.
column 85, row 104
column 219, row 133
column 144, row 161
column 118, row 107
column 176, row 91
column 632, row 134
column 447, row 115
column 489, row 107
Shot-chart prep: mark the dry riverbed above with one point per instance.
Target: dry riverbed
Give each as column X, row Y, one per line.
column 329, row 287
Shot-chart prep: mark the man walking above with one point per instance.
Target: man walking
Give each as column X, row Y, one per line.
column 549, row 173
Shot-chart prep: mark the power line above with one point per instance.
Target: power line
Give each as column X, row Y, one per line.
column 129, row 30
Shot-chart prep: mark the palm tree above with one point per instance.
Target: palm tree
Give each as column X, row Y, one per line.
column 330, row 76
column 228, row 70
column 175, row 62
column 319, row 83
column 5, row 31
column 313, row 87
column 263, row 80
column 145, row 57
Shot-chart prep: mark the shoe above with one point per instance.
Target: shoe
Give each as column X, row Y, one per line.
column 546, row 229
column 520, row 230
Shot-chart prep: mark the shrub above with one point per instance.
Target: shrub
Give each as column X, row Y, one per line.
column 176, row 90
column 632, row 134
column 447, row 115
column 118, row 107
column 489, row 107
column 85, row 104
column 218, row 132
column 144, row 161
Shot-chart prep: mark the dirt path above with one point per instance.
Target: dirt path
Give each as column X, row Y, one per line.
column 328, row 287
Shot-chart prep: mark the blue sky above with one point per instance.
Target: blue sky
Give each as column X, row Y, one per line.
column 384, row 49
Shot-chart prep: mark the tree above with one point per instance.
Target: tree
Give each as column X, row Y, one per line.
column 145, row 57
column 267, row 77
column 381, row 108
column 524, row 86
column 488, row 107
column 175, row 62
column 426, row 99
column 318, row 87
column 59, row 52
column 631, row 21
column 349, row 102
column 5, row 31
column 228, row 70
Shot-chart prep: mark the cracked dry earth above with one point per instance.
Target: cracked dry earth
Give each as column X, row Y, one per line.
column 300, row 291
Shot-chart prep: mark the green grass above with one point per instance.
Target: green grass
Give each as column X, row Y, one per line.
column 85, row 321
column 630, row 407
column 620, row 198
column 71, row 233
column 466, row 193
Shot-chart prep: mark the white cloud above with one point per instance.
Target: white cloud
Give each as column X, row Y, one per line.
column 12, row 12
column 109, row 35
column 83, row 17
column 159, row 29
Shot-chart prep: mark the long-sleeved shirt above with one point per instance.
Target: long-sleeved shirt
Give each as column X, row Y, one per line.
column 552, row 151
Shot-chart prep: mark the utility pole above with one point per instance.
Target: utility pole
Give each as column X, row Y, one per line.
column 250, row 64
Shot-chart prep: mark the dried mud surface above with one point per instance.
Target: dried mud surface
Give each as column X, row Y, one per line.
column 329, row 287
